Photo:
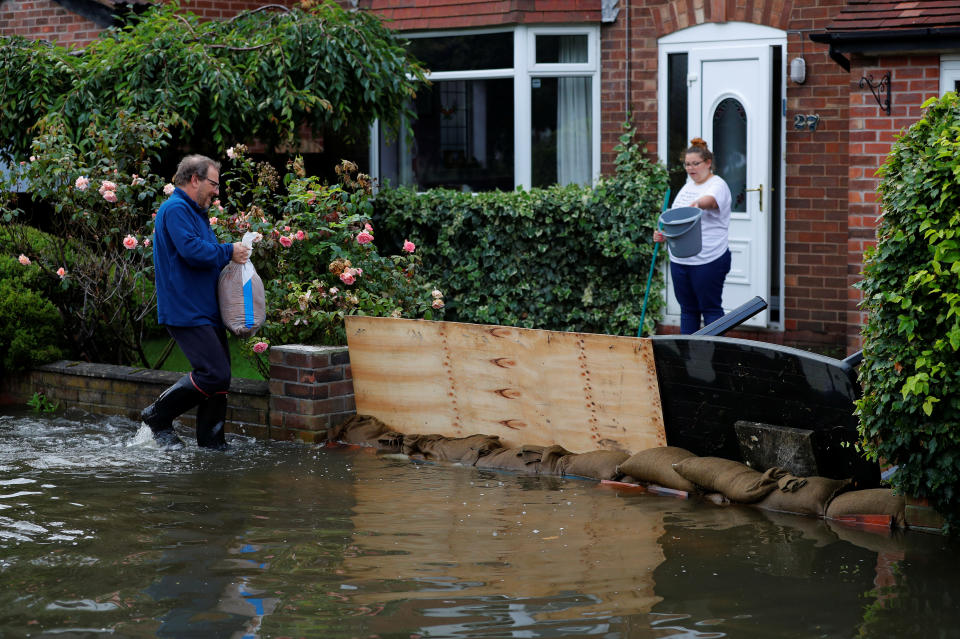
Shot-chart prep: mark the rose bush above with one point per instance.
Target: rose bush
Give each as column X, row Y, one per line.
column 317, row 257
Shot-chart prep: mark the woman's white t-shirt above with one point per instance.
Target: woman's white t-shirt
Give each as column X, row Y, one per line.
column 714, row 223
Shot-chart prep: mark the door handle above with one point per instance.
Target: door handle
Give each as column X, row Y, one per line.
column 759, row 190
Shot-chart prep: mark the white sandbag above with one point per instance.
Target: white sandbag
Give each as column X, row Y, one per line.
column 243, row 306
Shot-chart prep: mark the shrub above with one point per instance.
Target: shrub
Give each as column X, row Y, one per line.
column 30, row 325
column 97, row 192
column 569, row 258
column 910, row 410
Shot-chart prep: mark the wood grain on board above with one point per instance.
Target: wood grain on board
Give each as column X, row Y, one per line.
column 579, row 390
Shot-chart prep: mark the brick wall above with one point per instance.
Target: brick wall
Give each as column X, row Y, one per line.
column 913, row 80
column 311, row 389
column 815, row 206
column 45, row 20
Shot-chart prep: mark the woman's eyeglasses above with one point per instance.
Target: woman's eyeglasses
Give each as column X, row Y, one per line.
column 692, row 165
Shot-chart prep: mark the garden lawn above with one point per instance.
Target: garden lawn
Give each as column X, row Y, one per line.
column 177, row 361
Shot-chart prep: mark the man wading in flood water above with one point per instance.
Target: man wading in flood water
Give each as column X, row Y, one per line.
column 187, row 260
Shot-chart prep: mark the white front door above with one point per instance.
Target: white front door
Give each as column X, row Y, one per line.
column 729, row 105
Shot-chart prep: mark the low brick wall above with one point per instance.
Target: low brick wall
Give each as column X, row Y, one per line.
column 310, row 390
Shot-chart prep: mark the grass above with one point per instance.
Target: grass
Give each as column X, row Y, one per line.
column 177, row 361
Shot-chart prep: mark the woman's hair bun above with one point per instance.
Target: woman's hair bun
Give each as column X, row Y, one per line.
column 698, row 142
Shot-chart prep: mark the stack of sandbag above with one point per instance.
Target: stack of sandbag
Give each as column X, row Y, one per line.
column 723, row 480
column 520, row 459
column 872, row 501
column 461, row 450
column 655, row 466
column 596, row 464
column 551, row 459
column 732, row 479
column 366, row 430
column 810, row 498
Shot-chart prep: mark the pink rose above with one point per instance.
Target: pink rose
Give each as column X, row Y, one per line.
column 409, row 246
column 107, row 185
column 364, row 237
column 146, row 242
column 213, row 220
column 286, row 228
column 359, row 272
column 347, row 278
column 23, row 259
column 285, row 241
column 436, row 294
column 82, row 183
column 110, row 196
column 130, row 242
column 260, row 347
column 233, row 154
column 62, row 272
column 367, row 227
column 437, row 303
column 136, row 180
column 334, row 290
column 168, row 189
column 301, row 235
column 33, row 158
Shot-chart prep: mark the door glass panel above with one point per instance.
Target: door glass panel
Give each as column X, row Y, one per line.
column 676, row 119
column 730, row 149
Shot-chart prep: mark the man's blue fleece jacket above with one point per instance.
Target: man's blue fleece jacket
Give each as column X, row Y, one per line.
column 187, row 260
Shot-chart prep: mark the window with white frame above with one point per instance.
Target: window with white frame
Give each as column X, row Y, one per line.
column 504, row 109
column 949, row 73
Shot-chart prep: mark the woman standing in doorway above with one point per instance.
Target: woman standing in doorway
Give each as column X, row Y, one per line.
column 698, row 280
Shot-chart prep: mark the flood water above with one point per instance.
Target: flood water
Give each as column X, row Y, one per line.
column 103, row 535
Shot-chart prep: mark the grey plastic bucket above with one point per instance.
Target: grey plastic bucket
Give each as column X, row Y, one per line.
column 681, row 227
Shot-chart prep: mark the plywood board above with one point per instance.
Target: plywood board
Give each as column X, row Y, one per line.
column 581, row 391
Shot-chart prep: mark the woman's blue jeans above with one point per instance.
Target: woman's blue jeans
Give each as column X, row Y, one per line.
column 699, row 289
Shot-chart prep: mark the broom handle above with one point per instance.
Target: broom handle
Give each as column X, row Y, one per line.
column 653, row 264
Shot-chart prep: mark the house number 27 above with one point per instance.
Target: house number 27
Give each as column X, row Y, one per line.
column 809, row 122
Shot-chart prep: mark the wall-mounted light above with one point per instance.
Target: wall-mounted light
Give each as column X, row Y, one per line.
column 798, row 66
column 798, row 70
column 880, row 90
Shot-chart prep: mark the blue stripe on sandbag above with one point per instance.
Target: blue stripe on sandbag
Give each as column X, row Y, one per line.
column 248, row 303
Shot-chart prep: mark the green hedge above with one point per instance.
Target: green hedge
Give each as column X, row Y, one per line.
column 567, row 258
column 910, row 411
column 31, row 328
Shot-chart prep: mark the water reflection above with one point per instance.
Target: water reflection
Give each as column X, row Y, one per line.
column 99, row 537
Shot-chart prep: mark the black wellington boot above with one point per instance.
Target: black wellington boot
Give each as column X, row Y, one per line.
column 172, row 403
column 211, row 419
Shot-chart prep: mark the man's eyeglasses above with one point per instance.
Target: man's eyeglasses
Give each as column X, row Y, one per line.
column 213, row 183
column 692, row 165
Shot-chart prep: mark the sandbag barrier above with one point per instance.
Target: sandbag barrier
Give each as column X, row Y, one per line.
column 664, row 469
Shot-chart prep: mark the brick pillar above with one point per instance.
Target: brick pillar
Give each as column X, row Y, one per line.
column 311, row 389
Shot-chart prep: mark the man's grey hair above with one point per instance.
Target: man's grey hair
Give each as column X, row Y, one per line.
column 193, row 165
